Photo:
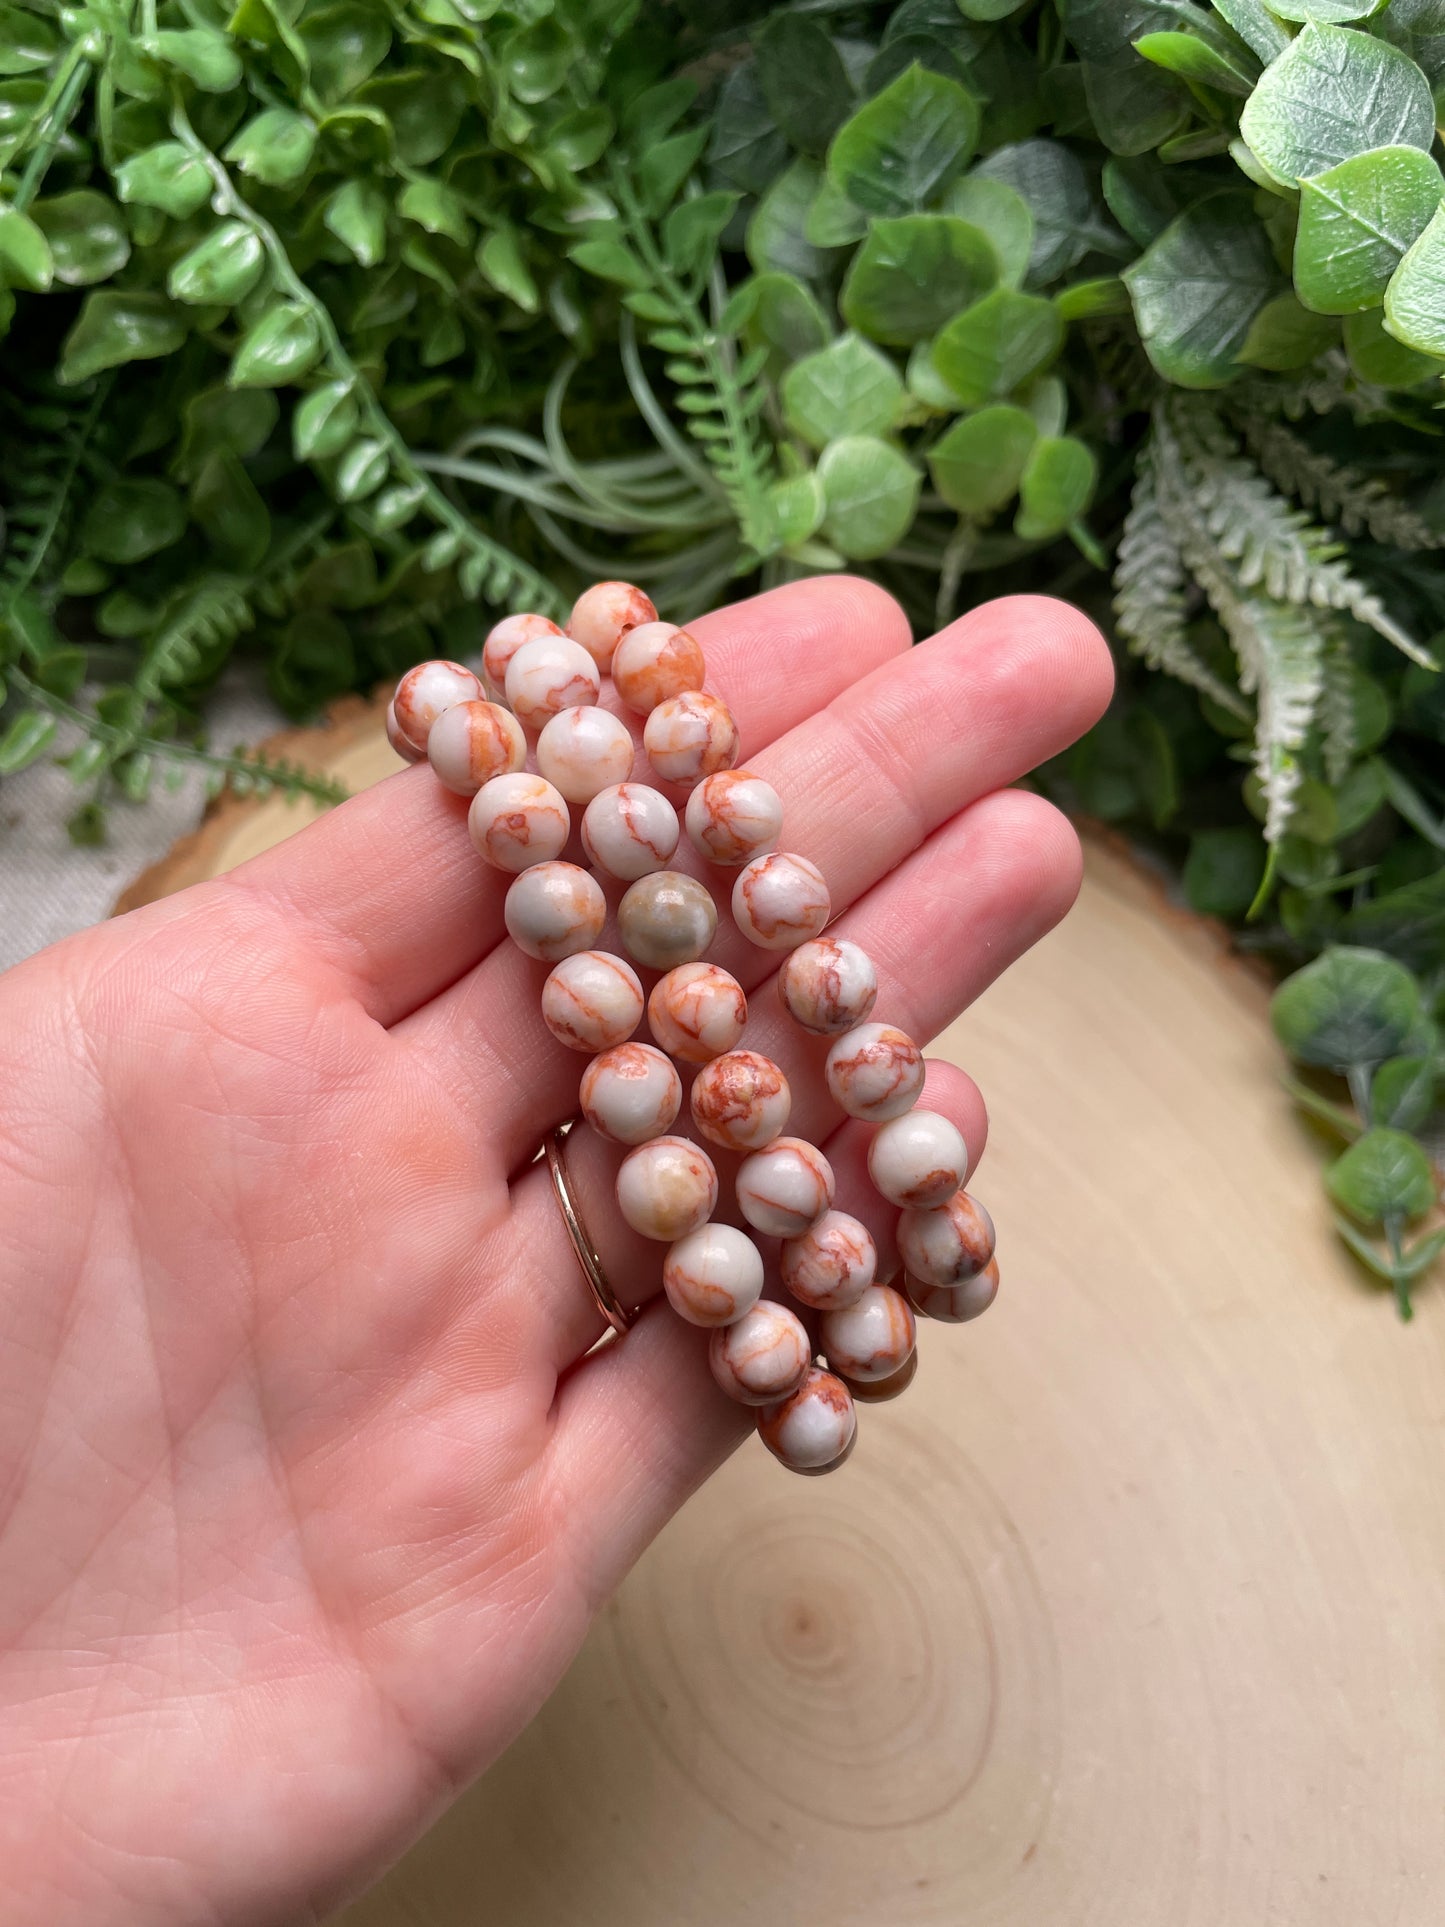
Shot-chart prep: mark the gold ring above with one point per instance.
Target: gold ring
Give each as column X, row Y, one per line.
column 608, row 1303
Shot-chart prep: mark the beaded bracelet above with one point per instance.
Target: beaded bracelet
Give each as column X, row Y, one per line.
column 853, row 1336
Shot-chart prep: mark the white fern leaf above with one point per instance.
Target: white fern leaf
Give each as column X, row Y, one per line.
column 1336, row 715
column 1360, row 504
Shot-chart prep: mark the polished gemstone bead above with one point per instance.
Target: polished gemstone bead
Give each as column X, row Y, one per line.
column 666, row 1188
column 549, row 675
column 592, row 1000
column 946, row 1245
column 763, row 1356
column 584, row 751
column 554, row 910
column 424, row 692
column 666, row 919
column 955, row 1304
column 690, row 736
column 518, row 820
column 740, row 1100
column 629, row 830
column 697, row 1012
column 875, row 1072
column 878, row 1391
column 472, row 742
column 602, row 615
column 503, row 642
column 828, row 985
column 631, row 1093
column 831, row 1265
column 870, row 1339
column 919, row 1159
column 405, row 749
column 780, row 900
column 814, row 1429
column 733, row 816
column 653, row 662
column 785, row 1188
column 713, row 1275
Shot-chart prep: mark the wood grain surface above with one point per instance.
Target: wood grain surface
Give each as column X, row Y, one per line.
column 1129, row 1613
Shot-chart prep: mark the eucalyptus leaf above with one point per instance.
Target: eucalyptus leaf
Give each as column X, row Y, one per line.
column 777, row 239
column 1402, row 1091
column 870, row 491
column 1050, row 181
column 1197, row 288
column 803, row 80
column 1285, row 335
column 1383, row 1174
column 1350, row 1006
column 997, row 344
column 905, row 145
column 1055, row 488
column 1002, row 214
column 1356, row 221
column 848, row 388
column 977, row 464
column 1414, row 309
column 912, row 273
column 1332, row 94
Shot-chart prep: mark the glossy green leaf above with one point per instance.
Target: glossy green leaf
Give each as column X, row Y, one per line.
column 535, row 59
column 579, row 139
column 279, row 348
column 345, row 45
column 113, row 328
column 906, row 144
column 23, row 740
column 325, row 422
column 777, row 237
column 1415, row 297
column 913, row 273
column 977, row 464
column 1197, row 288
column 275, row 148
column 1384, row 1174
column 1332, row 94
column 1133, row 106
column 228, row 509
column 988, row 350
column 201, row 54
column 803, row 80
column 1356, row 221
column 1000, row 212
column 167, row 176
column 1350, row 1006
column 870, row 490
column 1049, row 179
column 396, row 506
column 28, row 42
column 848, row 388
column 1055, row 488
column 88, row 238
column 1194, row 59
column 219, row 270
column 1285, row 335
column 502, row 260
column 356, row 215
column 798, row 506
column 433, row 206
column 361, row 470
column 25, row 257
column 240, row 419
column 132, row 517
column 1377, row 356
column 422, row 107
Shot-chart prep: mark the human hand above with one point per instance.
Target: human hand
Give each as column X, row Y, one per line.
column 308, row 1495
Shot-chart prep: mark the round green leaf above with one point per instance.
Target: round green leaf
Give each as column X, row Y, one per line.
column 536, row 58
column 275, row 148
column 1377, row 356
column 1325, row 12
column 1051, row 182
column 240, row 419
column 280, row 347
column 1196, row 60
column 113, row 328
column 1384, row 1174
column 88, row 238
column 1350, row 1006
column 1332, row 94
column 227, row 506
column 1402, row 1091
column 325, row 422
column 580, row 138
column 912, row 273
column 1285, row 335
column 906, row 144
column 803, row 80
column 1222, row 871
column 1000, row 212
column 1055, row 488
column 220, row 269
column 988, row 350
column 870, row 491
column 1356, row 221
column 798, row 507
column 848, row 388
column 131, row 518
column 1415, row 298
column 345, row 44
column 167, row 176
column 1198, row 286
column 776, row 312
column 25, row 258
column 777, row 237
column 435, row 207
column 976, row 464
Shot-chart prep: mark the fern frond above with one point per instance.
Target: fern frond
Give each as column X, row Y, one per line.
column 207, row 615
column 1360, row 504
column 1336, row 714
column 44, row 463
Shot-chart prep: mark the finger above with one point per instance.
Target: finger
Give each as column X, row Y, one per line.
column 388, row 887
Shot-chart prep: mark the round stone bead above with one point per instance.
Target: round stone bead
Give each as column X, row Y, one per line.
column 602, row 615
column 732, row 816
column 407, row 751
column 554, row 910
column 780, row 900
column 878, row 1391
column 713, row 1275
column 831, row 1265
column 740, row 1100
column 655, row 661
column 763, row 1356
column 584, row 751
column 502, row 643
column 631, row 1093
column 918, row 1160
column 667, row 1188
column 875, row 1072
column 549, row 675
column 629, row 830
column 592, row 1001
column 955, row 1304
column 947, row 1245
column 666, row 919
column 870, row 1339
column 697, row 1012
column 690, row 736
column 472, row 742
column 518, row 820
column 828, row 985
column 426, row 691
column 785, row 1188
column 814, row 1430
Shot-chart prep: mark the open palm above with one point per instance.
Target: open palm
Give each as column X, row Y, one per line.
column 307, row 1494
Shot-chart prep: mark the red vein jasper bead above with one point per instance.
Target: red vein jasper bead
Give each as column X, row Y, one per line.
column 732, row 816
column 667, row 1188
column 550, row 675
column 875, row 1072
column 918, row 1160
column 949, row 1244
column 762, row 1357
column 426, row 691
column 713, row 1275
column 666, row 919
column 592, row 1001
column 407, row 751
column 780, row 900
column 955, row 1304
column 878, row 1391
column 828, row 985
column 584, row 751
column 832, row 1264
column 504, row 640
column 814, row 1430
column 691, row 736
column 740, row 1100
column 697, row 1012
column 871, row 1338
column 655, row 661
column 631, row 1093
column 518, row 820
column 472, row 742
column 602, row 615
column 554, row 910
column 630, row 830
column 785, row 1188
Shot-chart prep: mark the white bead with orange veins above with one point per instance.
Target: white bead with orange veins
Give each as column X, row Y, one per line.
column 763, row 1356
column 666, row 919
column 690, row 736
column 949, row 1244
column 518, row 820
column 550, row 675
column 592, row 1000
column 602, row 615
column 740, row 1100
column 406, row 750
column 425, row 692
column 697, row 1012
column 713, row 1275
column 872, row 1338
column 502, row 643
column 554, row 910
column 955, row 1304
column 875, row 1072
column 780, row 900
column 785, row 1188
column 828, row 985
column 918, row 1160
column 629, row 830
column 631, row 1093
column 584, row 751
column 733, row 816
column 813, row 1430
column 655, row 661
column 877, row 1391
column 830, row 1266
column 667, row 1188
column 472, row 742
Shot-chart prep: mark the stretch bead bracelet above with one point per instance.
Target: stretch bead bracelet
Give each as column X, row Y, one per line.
column 851, row 1335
